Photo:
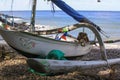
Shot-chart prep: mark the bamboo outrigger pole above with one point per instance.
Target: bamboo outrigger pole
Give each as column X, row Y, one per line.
column 32, row 28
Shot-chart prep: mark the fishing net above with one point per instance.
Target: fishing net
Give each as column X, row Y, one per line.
column 55, row 54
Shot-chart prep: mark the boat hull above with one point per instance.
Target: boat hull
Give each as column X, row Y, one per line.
column 38, row 45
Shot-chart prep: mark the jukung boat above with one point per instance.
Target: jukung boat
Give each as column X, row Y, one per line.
column 35, row 45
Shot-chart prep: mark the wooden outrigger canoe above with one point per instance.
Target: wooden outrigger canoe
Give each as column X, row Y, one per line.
column 29, row 43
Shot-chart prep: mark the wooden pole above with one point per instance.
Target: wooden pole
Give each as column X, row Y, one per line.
column 32, row 29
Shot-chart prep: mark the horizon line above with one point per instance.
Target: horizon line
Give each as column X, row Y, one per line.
column 59, row 10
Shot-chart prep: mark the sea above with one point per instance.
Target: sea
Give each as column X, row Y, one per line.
column 109, row 21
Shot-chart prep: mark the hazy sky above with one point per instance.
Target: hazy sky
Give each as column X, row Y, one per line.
column 109, row 5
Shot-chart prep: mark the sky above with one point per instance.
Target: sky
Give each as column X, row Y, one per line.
column 104, row 5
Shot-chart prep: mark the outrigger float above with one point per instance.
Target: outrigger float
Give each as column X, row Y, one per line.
column 41, row 49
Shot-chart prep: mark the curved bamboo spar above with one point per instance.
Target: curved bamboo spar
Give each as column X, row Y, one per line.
column 100, row 41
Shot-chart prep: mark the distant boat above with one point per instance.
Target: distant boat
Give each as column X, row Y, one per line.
column 20, row 24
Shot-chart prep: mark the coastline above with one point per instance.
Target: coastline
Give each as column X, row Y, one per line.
column 16, row 68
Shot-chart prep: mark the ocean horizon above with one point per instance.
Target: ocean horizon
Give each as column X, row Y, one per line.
column 109, row 21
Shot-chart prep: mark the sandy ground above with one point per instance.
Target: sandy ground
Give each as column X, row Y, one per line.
column 16, row 68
